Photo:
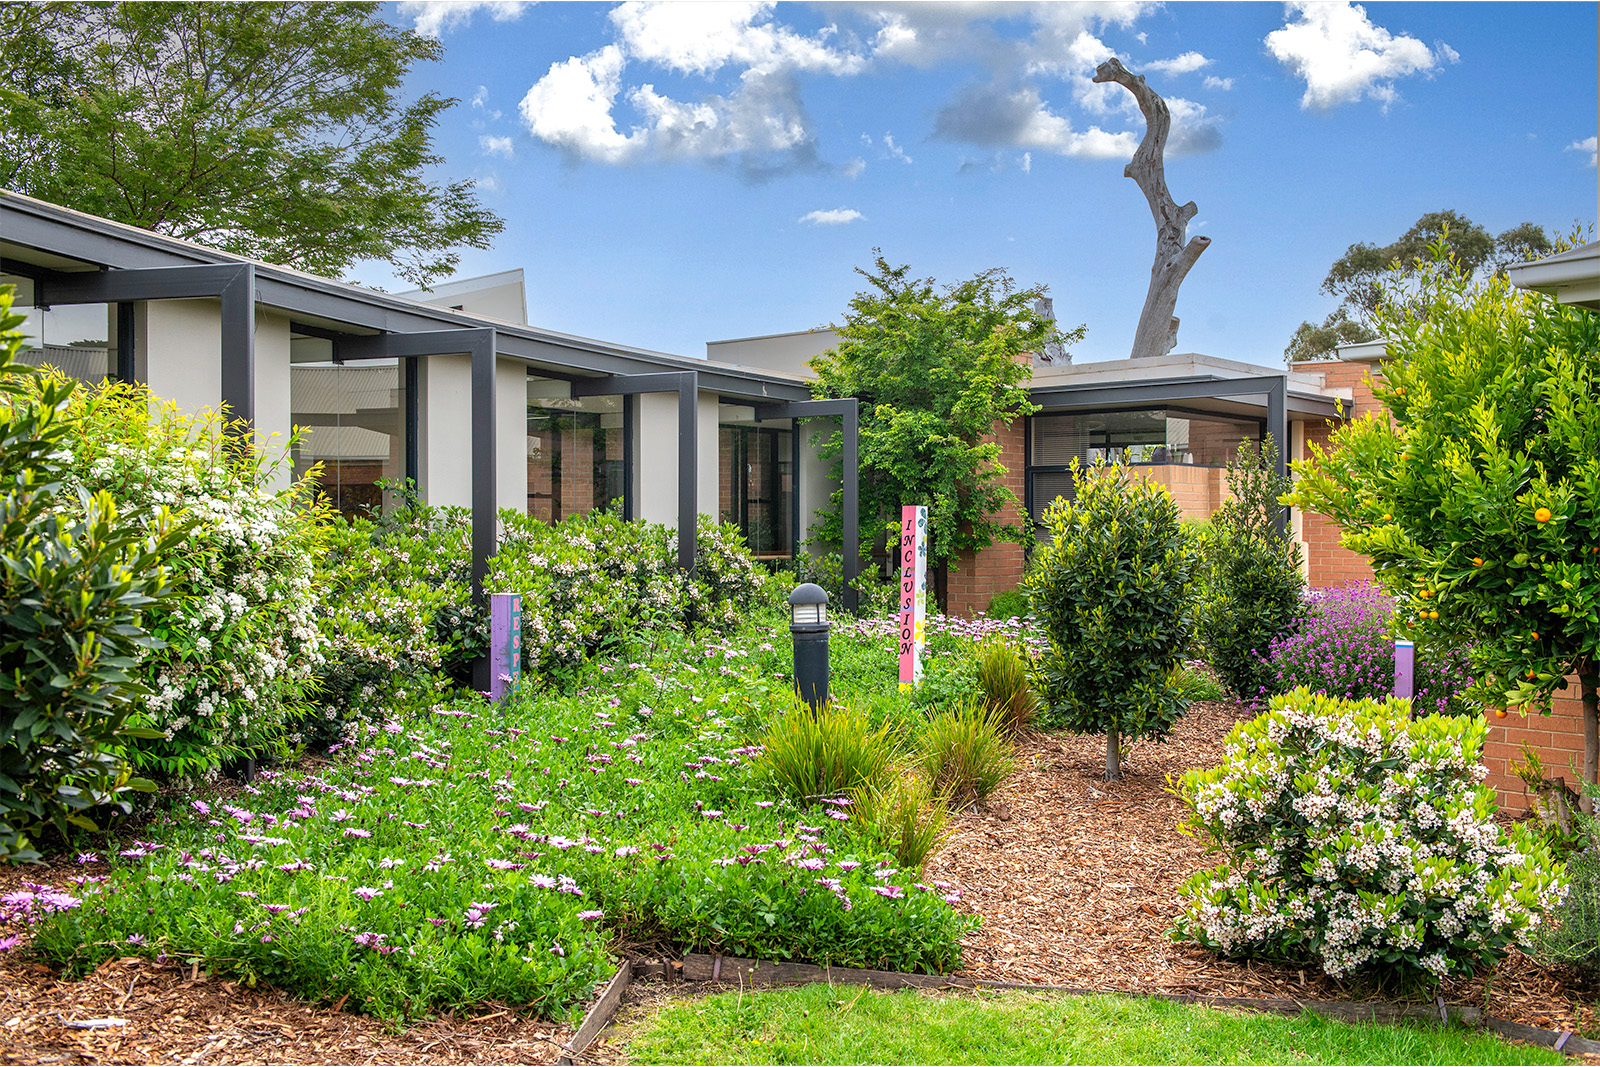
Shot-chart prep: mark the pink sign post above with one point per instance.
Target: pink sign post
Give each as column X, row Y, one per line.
column 913, row 592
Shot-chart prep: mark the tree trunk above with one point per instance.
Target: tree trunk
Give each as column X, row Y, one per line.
column 1113, row 754
column 1157, row 333
column 1589, row 679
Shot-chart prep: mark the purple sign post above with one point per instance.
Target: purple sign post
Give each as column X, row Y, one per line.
column 505, row 644
column 1405, row 668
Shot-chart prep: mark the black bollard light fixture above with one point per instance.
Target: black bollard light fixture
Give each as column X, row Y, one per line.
column 808, row 611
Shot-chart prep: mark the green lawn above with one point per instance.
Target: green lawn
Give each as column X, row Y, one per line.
column 852, row 1024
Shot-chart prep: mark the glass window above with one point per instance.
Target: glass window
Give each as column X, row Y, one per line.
column 1145, row 436
column 575, row 451
column 351, row 419
column 76, row 339
column 756, row 477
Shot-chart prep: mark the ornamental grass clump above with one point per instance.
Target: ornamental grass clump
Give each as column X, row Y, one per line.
column 965, row 753
column 832, row 752
column 1344, row 647
column 1004, row 675
column 905, row 819
column 1361, row 840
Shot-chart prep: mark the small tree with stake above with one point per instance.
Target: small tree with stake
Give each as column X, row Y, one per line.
column 1476, row 498
column 1113, row 589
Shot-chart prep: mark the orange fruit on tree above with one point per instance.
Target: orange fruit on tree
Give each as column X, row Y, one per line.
column 1426, row 593
column 1500, row 713
column 1477, row 561
column 1542, row 515
column 1433, row 614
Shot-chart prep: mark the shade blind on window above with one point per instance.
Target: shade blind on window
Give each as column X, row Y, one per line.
column 1059, row 439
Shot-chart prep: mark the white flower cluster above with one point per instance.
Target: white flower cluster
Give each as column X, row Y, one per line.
column 1363, row 837
column 242, row 642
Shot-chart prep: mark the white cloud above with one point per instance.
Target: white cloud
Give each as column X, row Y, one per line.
column 1027, row 162
column 626, row 102
column 1213, row 82
column 1343, row 57
column 570, row 107
column 835, row 217
column 481, row 97
column 432, row 18
column 1586, row 145
column 700, row 37
column 490, row 182
column 495, row 146
column 1187, row 63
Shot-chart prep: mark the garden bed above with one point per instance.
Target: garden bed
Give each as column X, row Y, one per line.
column 1076, row 880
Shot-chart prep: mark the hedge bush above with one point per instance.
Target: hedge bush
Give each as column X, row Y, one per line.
column 1361, row 839
column 76, row 582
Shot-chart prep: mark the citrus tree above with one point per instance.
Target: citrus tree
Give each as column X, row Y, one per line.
column 1474, row 495
column 1114, row 591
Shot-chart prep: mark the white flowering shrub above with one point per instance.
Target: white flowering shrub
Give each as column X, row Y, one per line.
column 393, row 598
column 1361, row 839
column 241, row 644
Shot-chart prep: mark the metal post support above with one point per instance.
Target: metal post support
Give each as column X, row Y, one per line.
column 688, row 473
column 1278, row 427
column 852, row 504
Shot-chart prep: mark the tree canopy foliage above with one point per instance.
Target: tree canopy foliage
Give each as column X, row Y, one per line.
column 935, row 369
column 1358, row 277
column 274, row 131
column 1475, row 494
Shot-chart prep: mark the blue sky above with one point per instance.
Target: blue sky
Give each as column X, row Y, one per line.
column 677, row 173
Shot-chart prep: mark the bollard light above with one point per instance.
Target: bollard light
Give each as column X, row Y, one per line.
column 808, row 612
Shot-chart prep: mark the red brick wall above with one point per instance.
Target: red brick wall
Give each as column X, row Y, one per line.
column 1328, row 563
column 976, row 579
column 1557, row 737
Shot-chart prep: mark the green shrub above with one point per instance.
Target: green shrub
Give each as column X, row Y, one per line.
column 904, row 818
column 1361, row 839
column 965, row 753
column 1195, row 682
column 1572, row 940
column 1011, row 604
column 1113, row 591
column 1004, row 676
column 1252, row 580
column 241, row 643
column 76, row 582
column 832, row 753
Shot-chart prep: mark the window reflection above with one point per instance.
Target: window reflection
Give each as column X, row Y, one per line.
column 756, row 478
column 351, row 419
column 575, row 451
column 75, row 339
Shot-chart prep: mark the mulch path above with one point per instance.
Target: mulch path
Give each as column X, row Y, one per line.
column 1075, row 878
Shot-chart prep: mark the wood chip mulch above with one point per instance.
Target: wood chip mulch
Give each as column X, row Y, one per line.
column 1075, row 878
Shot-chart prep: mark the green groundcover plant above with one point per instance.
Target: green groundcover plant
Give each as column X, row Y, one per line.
column 1362, row 839
column 455, row 852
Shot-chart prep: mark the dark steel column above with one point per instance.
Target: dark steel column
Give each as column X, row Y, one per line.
column 127, row 363
column 239, row 350
column 413, row 377
column 852, row 502
column 1278, row 427
column 485, row 518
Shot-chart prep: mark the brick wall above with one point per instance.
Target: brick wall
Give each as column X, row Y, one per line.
column 975, row 580
column 1328, row 563
column 1557, row 737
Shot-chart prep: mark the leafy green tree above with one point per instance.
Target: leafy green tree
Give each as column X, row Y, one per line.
column 1252, row 573
column 1114, row 591
column 74, row 584
column 269, row 130
column 1359, row 278
column 1477, row 495
column 936, row 370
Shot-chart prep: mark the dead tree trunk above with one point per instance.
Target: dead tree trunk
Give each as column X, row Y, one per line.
column 1158, row 330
